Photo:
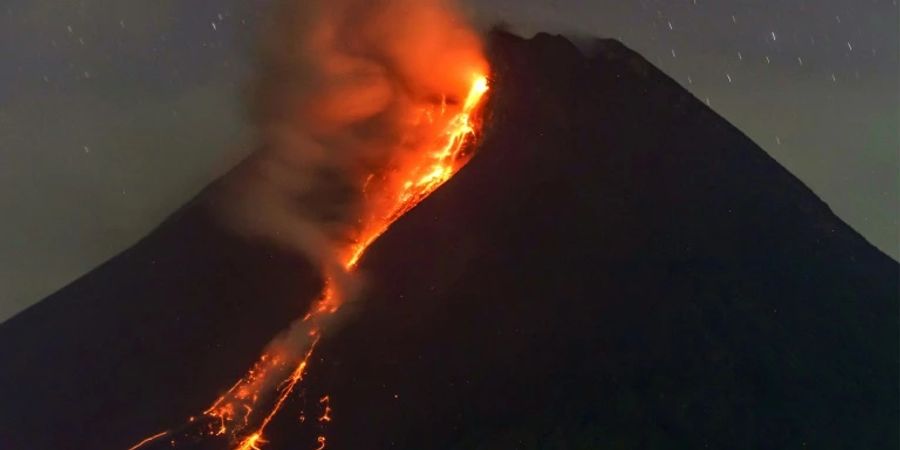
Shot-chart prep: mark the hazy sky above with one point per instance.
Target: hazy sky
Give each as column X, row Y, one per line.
column 114, row 112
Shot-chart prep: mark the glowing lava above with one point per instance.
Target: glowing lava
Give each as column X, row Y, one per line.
column 147, row 440
column 424, row 175
column 244, row 411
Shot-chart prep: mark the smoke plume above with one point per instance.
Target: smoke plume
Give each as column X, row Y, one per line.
column 338, row 104
column 362, row 108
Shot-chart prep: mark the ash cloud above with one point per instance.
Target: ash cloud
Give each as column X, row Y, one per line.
column 343, row 104
column 334, row 100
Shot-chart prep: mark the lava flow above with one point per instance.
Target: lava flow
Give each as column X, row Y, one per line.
column 242, row 414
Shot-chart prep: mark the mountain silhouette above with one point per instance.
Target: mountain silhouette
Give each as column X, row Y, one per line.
column 617, row 267
column 147, row 339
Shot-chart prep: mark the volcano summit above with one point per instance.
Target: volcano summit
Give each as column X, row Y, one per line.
column 617, row 267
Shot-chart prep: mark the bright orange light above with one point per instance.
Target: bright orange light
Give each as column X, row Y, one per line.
column 428, row 172
column 147, row 440
column 326, row 414
column 418, row 176
column 249, row 443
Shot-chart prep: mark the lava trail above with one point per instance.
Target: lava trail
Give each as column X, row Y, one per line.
column 363, row 109
column 241, row 415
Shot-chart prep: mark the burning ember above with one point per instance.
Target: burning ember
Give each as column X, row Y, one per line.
column 243, row 412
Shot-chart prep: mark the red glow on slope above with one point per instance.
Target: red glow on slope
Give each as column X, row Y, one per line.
column 432, row 170
column 244, row 411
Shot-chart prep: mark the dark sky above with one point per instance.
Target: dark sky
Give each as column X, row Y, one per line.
column 114, row 112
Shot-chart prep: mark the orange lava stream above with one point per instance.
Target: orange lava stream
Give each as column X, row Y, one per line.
column 425, row 178
column 442, row 165
column 232, row 411
column 249, row 443
column 148, row 440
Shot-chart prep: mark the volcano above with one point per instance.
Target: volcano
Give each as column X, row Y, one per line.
column 617, row 267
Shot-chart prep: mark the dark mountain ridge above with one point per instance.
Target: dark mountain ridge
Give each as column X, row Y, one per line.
column 618, row 267
column 147, row 339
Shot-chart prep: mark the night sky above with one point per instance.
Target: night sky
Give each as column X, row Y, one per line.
column 113, row 113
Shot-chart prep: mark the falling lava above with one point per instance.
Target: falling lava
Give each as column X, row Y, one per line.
column 411, row 181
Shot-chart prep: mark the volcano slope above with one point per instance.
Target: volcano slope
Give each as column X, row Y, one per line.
column 618, row 267
column 148, row 338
